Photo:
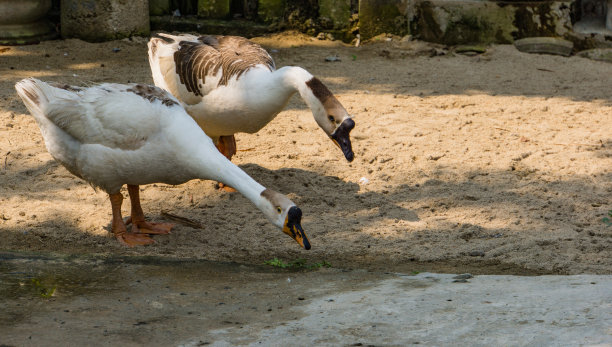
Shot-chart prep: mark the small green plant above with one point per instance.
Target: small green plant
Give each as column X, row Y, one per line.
column 276, row 263
column 299, row 263
column 354, row 57
column 42, row 290
column 608, row 220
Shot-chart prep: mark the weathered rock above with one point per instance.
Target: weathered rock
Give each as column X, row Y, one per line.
column 477, row 253
column 478, row 49
column 213, row 9
column 464, row 276
column 453, row 22
column 601, row 54
column 384, row 16
column 546, row 45
column 23, row 21
column 102, row 20
column 464, row 22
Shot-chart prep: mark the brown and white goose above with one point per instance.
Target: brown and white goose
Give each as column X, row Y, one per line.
column 229, row 84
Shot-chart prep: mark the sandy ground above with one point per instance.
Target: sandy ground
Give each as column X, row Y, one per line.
column 494, row 163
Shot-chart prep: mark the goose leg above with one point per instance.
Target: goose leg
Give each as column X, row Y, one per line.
column 139, row 225
column 119, row 229
column 227, row 146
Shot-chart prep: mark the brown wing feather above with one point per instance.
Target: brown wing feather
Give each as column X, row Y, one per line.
column 232, row 54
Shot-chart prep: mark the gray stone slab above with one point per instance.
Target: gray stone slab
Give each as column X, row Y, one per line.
column 432, row 310
column 601, row 54
column 545, row 45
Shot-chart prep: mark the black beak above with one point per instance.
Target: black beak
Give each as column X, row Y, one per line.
column 293, row 227
column 343, row 140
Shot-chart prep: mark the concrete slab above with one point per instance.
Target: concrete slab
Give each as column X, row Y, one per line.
column 431, row 310
column 50, row 300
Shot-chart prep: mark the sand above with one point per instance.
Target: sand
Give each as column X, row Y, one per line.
column 492, row 163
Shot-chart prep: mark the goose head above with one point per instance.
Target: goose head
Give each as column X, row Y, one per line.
column 283, row 213
column 332, row 117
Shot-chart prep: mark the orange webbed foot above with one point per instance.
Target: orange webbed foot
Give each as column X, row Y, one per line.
column 152, row 228
column 144, row 227
column 131, row 239
column 225, row 188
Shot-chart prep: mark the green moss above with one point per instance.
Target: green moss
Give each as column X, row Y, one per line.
column 214, row 9
column 425, row 24
column 339, row 11
column 159, row 7
column 381, row 16
column 536, row 20
column 271, row 10
column 452, row 24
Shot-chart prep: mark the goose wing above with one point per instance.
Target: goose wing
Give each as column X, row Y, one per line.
column 112, row 115
column 190, row 67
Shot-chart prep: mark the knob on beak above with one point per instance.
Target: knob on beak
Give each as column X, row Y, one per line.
column 341, row 137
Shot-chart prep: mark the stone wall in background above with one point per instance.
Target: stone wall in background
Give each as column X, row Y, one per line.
column 449, row 22
column 102, row 20
column 25, row 21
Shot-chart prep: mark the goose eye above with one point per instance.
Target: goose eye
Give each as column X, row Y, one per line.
column 331, row 119
column 278, row 209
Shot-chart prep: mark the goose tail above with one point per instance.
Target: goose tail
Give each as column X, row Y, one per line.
column 156, row 47
column 43, row 101
column 38, row 95
column 161, row 59
column 30, row 90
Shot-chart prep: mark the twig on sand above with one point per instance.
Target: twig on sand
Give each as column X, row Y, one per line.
column 577, row 144
column 6, row 159
column 185, row 221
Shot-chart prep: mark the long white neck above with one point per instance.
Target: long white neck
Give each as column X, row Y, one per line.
column 212, row 165
column 295, row 78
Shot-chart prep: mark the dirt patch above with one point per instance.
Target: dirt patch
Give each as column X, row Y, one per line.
column 495, row 163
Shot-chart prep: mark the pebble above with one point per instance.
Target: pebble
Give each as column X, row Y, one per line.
column 464, row 276
column 477, row 254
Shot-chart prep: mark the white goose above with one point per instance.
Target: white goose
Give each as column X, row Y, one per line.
column 229, row 84
column 113, row 134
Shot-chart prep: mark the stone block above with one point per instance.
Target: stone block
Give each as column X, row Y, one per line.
column 271, row 10
column 545, row 45
column 601, row 54
column 455, row 22
column 24, row 21
column 463, row 22
column 103, row 20
column 546, row 18
column 384, row 16
column 214, row 9
column 338, row 11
